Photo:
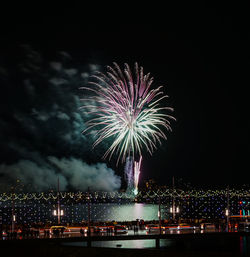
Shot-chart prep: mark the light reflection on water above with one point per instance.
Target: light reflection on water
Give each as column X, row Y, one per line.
column 126, row 244
column 135, row 244
column 124, row 212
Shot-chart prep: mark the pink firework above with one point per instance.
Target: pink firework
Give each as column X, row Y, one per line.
column 127, row 111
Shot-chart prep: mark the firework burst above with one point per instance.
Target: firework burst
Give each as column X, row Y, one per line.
column 126, row 110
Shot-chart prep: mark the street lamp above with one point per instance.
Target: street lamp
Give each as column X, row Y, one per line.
column 88, row 198
column 55, row 213
column 227, row 209
column 13, row 215
column 58, row 213
column 174, row 210
column 159, row 214
column 227, row 218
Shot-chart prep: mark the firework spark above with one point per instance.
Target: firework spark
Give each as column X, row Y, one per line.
column 137, row 168
column 127, row 110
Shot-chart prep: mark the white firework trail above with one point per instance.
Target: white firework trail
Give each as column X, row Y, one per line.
column 137, row 170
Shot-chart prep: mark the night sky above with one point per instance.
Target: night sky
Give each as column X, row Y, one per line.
column 201, row 58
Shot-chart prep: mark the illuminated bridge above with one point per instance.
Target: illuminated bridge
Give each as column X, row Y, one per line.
column 192, row 204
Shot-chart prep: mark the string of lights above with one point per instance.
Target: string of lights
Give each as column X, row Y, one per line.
column 122, row 195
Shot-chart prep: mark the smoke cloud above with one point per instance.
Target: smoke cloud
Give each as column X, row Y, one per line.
column 72, row 173
column 41, row 125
